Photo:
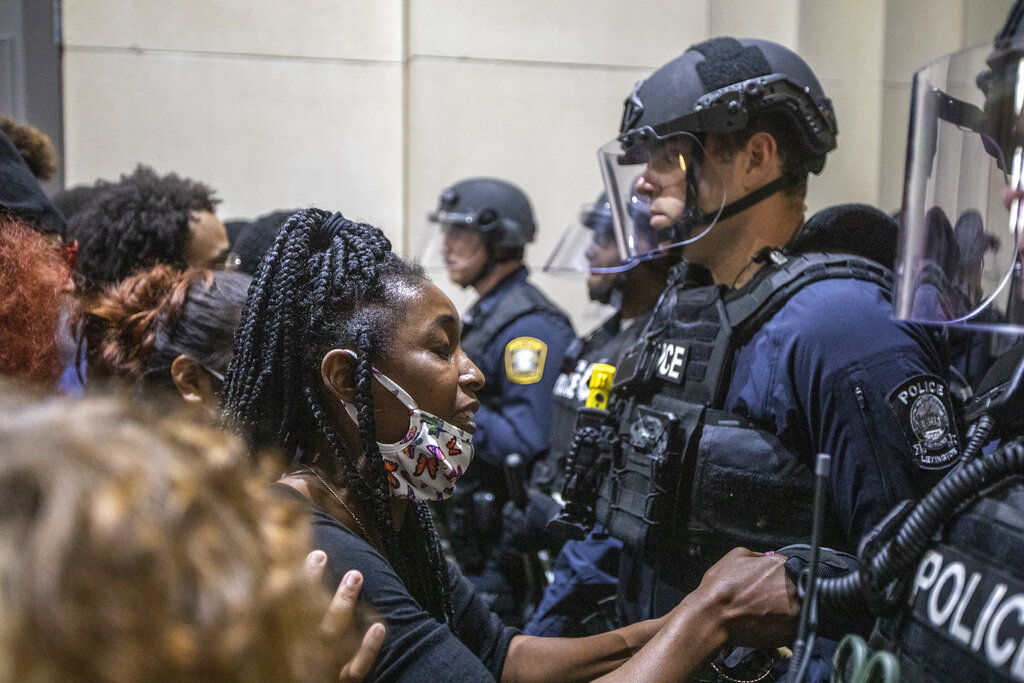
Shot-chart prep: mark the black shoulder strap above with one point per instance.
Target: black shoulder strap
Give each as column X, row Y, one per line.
column 776, row 284
column 599, row 336
column 512, row 306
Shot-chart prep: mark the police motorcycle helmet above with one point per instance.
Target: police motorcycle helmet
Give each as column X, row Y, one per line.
column 496, row 210
column 960, row 247
column 720, row 86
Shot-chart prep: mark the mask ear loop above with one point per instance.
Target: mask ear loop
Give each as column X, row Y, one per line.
column 388, row 383
column 403, row 396
column 397, row 391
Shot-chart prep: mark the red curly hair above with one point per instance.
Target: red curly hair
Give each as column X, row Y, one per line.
column 32, row 275
column 122, row 324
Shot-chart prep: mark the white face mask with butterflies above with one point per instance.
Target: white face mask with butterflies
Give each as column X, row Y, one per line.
column 430, row 458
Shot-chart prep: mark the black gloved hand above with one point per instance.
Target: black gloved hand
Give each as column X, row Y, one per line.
column 525, row 529
column 832, row 623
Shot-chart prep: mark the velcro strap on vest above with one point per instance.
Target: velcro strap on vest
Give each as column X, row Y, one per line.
column 773, row 287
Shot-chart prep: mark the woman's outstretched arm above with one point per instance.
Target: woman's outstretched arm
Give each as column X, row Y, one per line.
column 745, row 599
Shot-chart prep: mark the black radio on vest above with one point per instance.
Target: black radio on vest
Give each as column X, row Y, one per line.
column 587, row 459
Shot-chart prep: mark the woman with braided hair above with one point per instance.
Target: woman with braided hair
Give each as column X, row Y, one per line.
column 348, row 360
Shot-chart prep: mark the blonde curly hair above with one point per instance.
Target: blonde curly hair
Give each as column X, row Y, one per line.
column 34, row 146
column 143, row 549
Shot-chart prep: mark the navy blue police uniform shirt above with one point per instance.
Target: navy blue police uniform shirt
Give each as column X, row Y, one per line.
column 523, row 363
column 833, row 373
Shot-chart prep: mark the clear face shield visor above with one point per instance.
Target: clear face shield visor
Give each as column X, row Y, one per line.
column 447, row 239
column 959, row 257
column 589, row 244
column 684, row 196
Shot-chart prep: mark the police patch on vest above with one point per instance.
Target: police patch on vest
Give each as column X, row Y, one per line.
column 975, row 609
column 923, row 409
column 671, row 362
column 524, row 360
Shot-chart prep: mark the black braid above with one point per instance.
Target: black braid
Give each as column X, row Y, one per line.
column 325, row 284
column 436, row 558
column 367, row 430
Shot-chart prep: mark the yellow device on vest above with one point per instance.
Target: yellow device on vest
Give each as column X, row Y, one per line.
column 600, row 385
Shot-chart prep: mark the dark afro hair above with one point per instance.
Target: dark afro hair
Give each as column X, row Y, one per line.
column 141, row 220
column 72, row 201
column 252, row 239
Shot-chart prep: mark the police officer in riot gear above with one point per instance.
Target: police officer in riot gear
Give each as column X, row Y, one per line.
column 518, row 338
column 631, row 291
column 737, row 385
column 585, row 569
column 945, row 576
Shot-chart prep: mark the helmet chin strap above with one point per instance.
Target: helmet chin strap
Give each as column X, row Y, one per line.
column 615, row 296
column 610, row 293
column 485, row 270
column 682, row 228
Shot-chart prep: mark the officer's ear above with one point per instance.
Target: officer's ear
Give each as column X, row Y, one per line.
column 761, row 163
column 337, row 369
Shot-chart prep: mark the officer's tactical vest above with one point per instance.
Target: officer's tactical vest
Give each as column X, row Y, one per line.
column 602, row 345
column 690, row 481
column 967, row 597
column 569, row 395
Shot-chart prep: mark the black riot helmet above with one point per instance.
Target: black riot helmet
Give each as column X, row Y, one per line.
column 595, row 229
column 498, row 210
column 720, row 86
column 598, row 216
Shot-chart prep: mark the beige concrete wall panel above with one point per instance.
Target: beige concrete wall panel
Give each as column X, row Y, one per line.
column 984, row 19
column 895, row 122
column 843, row 40
column 776, row 20
column 538, row 126
column 918, row 31
column 267, row 134
column 852, row 171
column 336, row 29
column 640, row 32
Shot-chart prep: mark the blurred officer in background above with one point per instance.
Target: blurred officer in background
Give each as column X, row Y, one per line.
column 585, row 571
column 518, row 339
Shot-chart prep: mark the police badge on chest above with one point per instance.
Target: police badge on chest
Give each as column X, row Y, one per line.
column 924, row 411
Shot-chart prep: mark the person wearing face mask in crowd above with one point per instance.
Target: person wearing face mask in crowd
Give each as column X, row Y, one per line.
column 349, row 362
column 736, row 387
column 518, row 338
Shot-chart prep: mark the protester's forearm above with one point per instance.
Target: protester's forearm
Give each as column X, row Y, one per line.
column 692, row 633
column 575, row 659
